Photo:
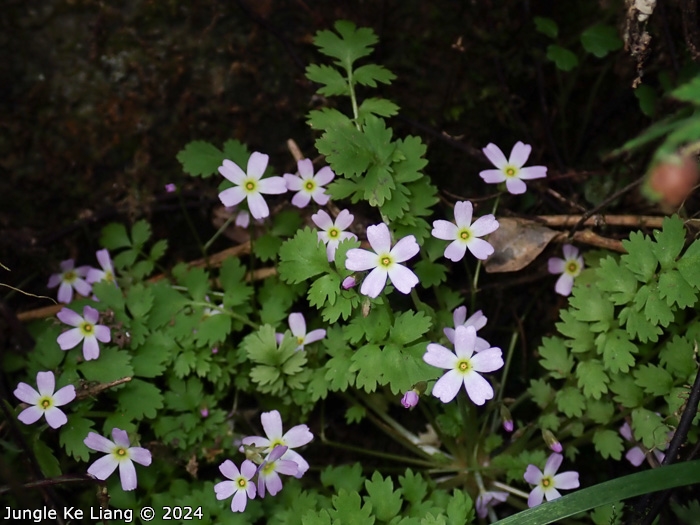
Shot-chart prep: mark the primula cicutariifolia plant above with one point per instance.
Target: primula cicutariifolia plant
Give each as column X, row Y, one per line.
column 196, row 373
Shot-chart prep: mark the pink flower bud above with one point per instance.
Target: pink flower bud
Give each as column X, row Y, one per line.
column 215, row 350
column 204, row 412
column 410, row 399
column 349, row 282
column 552, row 442
column 170, row 188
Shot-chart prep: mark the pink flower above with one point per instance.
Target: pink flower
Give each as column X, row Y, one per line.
column 240, row 487
column 489, row 499
column 569, row 267
column 119, row 454
column 511, row 171
column 69, row 279
column 636, row 455
column 307, row 185
column 410, row 399
column 86, row 330
column 463, row 367
column 384, row 261
column 349, row 282
column 106, row 273
column 547, row 483
column 45, row 402
column 477, row 320
column 333, row 231
column 170, row 187
column 295, row 437
column 297, row 324
column 250, row 185
column 464, row 234
column 271, row 468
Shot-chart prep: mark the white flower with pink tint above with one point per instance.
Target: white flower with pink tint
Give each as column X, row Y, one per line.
column 511, row 170
column 307, row 185
column 297, row 325
column 240, row 485
column 569, row 267
column 106, row 273
column 464, row 367
column 547, row 482
column 120, row 454
column 477, row 320
column 333, row 231
column 384, row 261
column 250, row 185
column 45, row 402
column 489, row 499
column 86, row 330
column 295, row 437
column 70, row 278
column 465, row 234
column 271, row 468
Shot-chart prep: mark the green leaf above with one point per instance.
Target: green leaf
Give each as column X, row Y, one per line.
column 581, row 338
column 385, row 501
column 302, row 257
column 599, row 40
column 617, row 352
column 555, row 357
column 352, row 43
column 326, row 118
column 628, row 394
column 158, row 250
column 592, row 379
column 344, row 305
column 669, row 241
column 430, row 273
column 232, row 281
column 355, row 414
column 403, row 367
column 140, row 233
column 542, row 394
column 112, row 364
column 344, row 477
column 639, row 258
column 649, row 428
column 593, row 307
column 286, row 223
column 48, row 463
column 378, row 185
column 677, row 356
column 608, row 443
column 653, row 379
column 562, row 57
column 333, row 82
column 367, row 364
column 600, row 411
column 184, row 396
column 114, row 236
column 376, row 106
column 139, row 300
column 72, row 435
column 414, row 487
column 676, row 290
column 546, row 26
column 151, row 357
column 570, row 401
column 370, row 74
column 237, row 152
column 324, row 290
column 409, row 326
column 688, row 92
column 347, row 509
column 139, row 399
column 266, row 247
column 638, row 326
column 689, row 265
column 656, row 309
column 196, row 280
column 200, row 158
column 617, row 280
column 212, row 330
column 460, row 508
column 647, row 97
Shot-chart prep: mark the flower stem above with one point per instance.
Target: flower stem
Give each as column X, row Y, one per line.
column 219, row 232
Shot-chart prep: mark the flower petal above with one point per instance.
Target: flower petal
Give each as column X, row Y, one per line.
column 444, row 230
column 320, row 196
column 566, row 480
column 405, row 249
column 495, row 155
column 463, row 213
column 536, row 496
column 27, row 394
column 492, row 176
column 293, row 182
column 374, row 283
column 257, row 205
column 91, row 349
column 272, row 424
column 484, row 225
column 30, row 415
column 232, row 171
column 120, row 437
column 553, row 464
column 465, row 339
column 344, row 219
column 480, row 248
column 297, row 324
column 635, row 456
column 248, row 468
column 379, row 238
column 459, row 315
column 232, row 196
column 224, row 489
column 127, row 473
column 305, row 168
column 229, row 469
column 515, row 186
column 141, row 455
column 564, row 285
column 272, row 185
column 447, row 387
column 46, row 383
column 323, row 220
column 257, row 163
column 91, row 315
column 556, row 265
column 65, row 293
column 519, row 154
column 69, row 317
column 69, row 339
column 238, row 503
column 55, row 417
column 98, row 443
column 64, row 395
column 570, row 252
column 315, row 335
column 532, row 172
column 301, row 199
column 298, row 436
column 102, row 333
column 533, row 475
column 488, row 360
column 103, row 467
column 478, row 389
column 439, row 356
column 359, row 260
column 302, row 465
column 324, row 176
column 402, row 278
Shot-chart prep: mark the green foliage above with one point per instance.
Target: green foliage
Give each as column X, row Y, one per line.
column 600, row 39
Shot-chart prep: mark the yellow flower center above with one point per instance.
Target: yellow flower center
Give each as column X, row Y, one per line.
column 546, row 482
column 333, row 233
column 250, row 185
column 242, row 482
column 87, row 328
column 510, row 171
column 45, row 403
column 572, row 267
column 300, row 340
column 69, row 276
column 310, row 185
column 385, row 261
column 121, row 452
column 464, row 366
column 464, row 235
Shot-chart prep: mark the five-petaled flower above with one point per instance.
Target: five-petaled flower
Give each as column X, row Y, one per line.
column 297, row 324
column 69, row 279
column 384, row 261
column 547, row 482
column 250, row 185
column 86, row 330
column 333, row 231
column 489, row 499
column 120, row 454
column 307, row 185
column 477, row 320
column 240, row 485
column 463, row 367
column 295, row 437
column 569, row 267
column 465, row 234
column 271, row 468
column 511, row 170
column 106, row 273
column 45, row 402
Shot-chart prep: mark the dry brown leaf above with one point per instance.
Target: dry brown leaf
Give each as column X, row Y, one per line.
column 517, row 242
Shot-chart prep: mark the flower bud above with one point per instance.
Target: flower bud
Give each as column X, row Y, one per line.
column 507, row 419
column 552, row 441
column 410, row 399
column 170, row 187
column 349, row 282
column 204, row 412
